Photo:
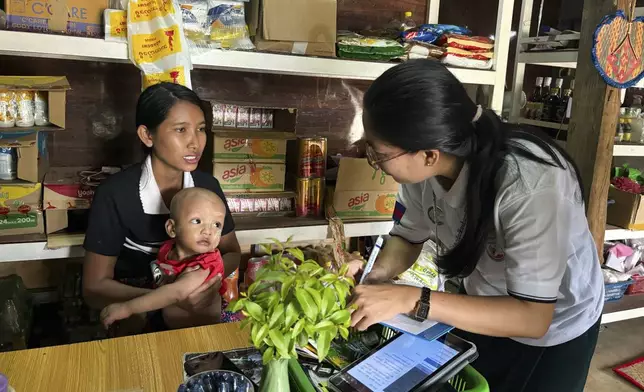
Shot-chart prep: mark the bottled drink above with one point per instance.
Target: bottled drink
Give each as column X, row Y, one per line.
column 408, row 22
column 545, row 93
column 562, row 109
column 627, row 130
column 551, row 104
column 535, row 104
column 619, row 135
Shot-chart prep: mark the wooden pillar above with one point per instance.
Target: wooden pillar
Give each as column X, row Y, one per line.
column 594, row 120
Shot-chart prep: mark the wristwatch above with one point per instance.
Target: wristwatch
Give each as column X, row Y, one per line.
column 421, row 310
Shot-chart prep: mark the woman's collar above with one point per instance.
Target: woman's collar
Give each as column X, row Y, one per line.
column 455, row 196
column 149, row 193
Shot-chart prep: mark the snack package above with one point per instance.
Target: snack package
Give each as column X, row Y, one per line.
column 424, row 272
column 25, row 105
column 227, row 23
column 41, row 108
column 484, row 56
column 470, row 44
column 115, row 25
column 195, row 25
column 465, row 62
column 430, row 33
column 7, row 109
column 422, row 50
column 156, row 42
column 369, row 48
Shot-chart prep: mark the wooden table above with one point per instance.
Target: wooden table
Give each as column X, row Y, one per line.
column 150, row 362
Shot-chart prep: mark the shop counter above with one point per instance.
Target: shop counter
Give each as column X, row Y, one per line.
column 148, row 362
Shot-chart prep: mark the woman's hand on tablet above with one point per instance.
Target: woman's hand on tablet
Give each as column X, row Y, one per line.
column 380, row 302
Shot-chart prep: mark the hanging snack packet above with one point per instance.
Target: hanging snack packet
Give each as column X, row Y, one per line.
column 195, row 25
column 115, row 25
column 156, row 42
column 228, row 29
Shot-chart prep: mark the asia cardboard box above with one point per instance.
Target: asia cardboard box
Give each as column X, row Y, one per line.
column 31, row 153
column 248, row 177
column 72, row 17
column 56, row 88
column 362, row 192
column 626, row 211
column 20, row 206
column 63, row 192
column 232, row 149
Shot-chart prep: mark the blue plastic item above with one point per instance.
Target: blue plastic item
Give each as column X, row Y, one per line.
column 615, row 291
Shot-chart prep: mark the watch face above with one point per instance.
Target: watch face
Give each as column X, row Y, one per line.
column 422, row 311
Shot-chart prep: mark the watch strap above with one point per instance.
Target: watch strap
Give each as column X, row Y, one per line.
column 421, row 312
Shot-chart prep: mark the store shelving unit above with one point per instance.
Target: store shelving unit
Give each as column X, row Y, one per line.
column 543, row 124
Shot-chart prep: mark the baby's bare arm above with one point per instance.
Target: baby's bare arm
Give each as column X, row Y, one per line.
column 169, row 294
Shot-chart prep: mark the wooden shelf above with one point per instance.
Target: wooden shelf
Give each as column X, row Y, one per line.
column 629, row 307
column 614, row 233
column 15, row 43
column 556, row 58
column 249, row 231
column 628, row 150
column 543, row 124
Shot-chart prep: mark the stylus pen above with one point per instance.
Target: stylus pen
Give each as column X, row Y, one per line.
column 372, row 258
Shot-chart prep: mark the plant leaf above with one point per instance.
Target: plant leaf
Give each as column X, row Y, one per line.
column 244, row 323
column 253, row 335
column 343, row 292
column 329, row 278
column 278, row 312
column 323, row 345
column 281, row 343
column 291, row 315
column 297, row 253
column 255, row 311
column 326, row 324
column 278, row 243
column 270, row 276
column 236, row 306
column 262, row 333
column 343, row 270
column 268, row 355
column 286, row 286
column 307, row 303
column 310, row 329
column 350, row 281
column 328, row 301
column 341, row 317
column 298, row 327
column 266, row 249
column 344, row 332
column 314, row 294
column 303, row 339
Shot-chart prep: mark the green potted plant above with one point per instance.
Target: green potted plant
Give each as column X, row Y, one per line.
column 290, row 304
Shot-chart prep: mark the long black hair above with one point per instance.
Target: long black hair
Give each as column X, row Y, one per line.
column 418, row 106
column 155, row 103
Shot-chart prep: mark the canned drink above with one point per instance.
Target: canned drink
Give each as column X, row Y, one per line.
column 312, row 157
column 310, row 194
column 254, row 264
column 8, row 163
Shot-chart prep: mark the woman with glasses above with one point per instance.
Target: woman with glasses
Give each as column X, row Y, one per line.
column 505, row 209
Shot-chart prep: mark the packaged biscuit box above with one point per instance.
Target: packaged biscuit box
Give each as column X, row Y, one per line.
column 250, row 177
column 229, row 149
column 20, row 206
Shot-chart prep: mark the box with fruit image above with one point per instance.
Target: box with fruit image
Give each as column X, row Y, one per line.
column 20, row 209
column 362, row 192
column 243, row 148
column 236, row 177
column 66, row 199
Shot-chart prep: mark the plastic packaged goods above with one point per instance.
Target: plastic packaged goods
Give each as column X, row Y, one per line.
column 217, row 114
column 261, row 205
column 41, row 108
column 255, row 118
column 8, row 164
column 232, row 286
column 424, row 272
column 466, row 62
column 470, row 44
column 267, row 118
column 243, row 116
column 368, row 48
column 25, row 108
column 227, row 24
column 230, row 116
column 115, row 25
column 195, row 25
column 7, row 109
column 430, row 33
column 156, row 42
column 422, row 50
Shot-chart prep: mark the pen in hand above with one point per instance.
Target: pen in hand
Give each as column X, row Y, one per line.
column 372, row 259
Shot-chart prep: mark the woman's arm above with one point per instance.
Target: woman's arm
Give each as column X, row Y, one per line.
column 502, row 316
column 231, row 252
column 397, row 256
column 99, row 287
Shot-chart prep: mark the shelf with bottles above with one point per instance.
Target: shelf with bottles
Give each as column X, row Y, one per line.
column 547, row 106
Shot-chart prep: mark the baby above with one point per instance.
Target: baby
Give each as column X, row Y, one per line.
column 185, row 262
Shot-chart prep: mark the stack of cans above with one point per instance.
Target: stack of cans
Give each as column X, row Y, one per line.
column 311, row 171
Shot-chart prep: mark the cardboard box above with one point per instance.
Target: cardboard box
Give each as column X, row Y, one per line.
column 318, row 49
column 56, row 87
column 247, row 177
column 241, row 149
column 63, row 189
column 73, row 17
column 627, row 211
column 32, row 154
column 20, row 206
column 299, row 21
column 362, row 192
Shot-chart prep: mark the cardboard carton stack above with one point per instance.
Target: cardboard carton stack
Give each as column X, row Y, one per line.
column 25, row 152
column 304, row 27
column 249, row 157
column 362, row 192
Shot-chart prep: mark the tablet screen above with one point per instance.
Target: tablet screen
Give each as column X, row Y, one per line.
column 401, row 365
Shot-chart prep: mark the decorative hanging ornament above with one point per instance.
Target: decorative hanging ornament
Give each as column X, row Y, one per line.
column 618, row 45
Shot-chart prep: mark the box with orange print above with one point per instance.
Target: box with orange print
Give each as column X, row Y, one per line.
column 250, row 177
column 362, row 192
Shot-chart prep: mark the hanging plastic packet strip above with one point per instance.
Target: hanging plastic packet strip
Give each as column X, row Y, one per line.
column 115, row 25
column 156, row 41
column 227, row 23
column 195, row 25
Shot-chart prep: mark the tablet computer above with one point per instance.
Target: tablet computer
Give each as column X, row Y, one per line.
column 406, row 363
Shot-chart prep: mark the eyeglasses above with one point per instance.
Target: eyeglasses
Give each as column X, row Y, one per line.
column 375, row 162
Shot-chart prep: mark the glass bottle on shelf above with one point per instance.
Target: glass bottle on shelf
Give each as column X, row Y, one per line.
column 545, row 92
column 619, row 134
column 535, row 104
column 552, row 103
column 562, row 110
column 627, row 130
column 408, row 22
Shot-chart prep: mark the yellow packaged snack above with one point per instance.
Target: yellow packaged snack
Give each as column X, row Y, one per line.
column 7, row 109
column 156, row 41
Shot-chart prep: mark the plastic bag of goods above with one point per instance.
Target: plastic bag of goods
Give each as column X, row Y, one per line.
column 424, row 272
column 156, row 42
column 15, row 313
column 227, row 23
column 195, row 25
column 422, row 50
column 431, row 33
column 115, row 25
column 357, row 47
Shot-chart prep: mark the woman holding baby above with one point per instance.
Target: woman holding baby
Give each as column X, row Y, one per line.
column 130, row 223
